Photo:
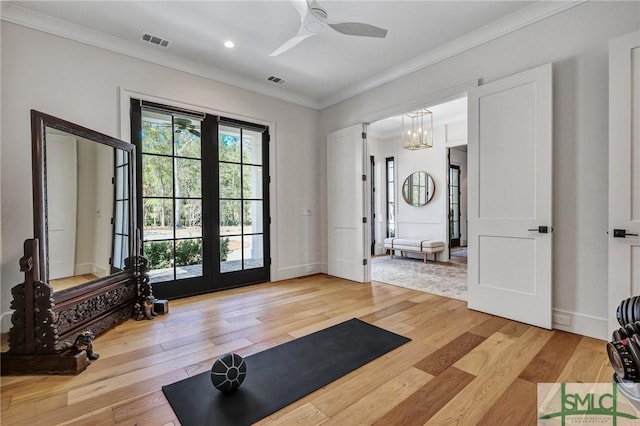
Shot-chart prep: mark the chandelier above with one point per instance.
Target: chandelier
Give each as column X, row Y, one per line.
column 417, row 129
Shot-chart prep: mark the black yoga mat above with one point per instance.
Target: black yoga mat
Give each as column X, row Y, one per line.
column 281, row 375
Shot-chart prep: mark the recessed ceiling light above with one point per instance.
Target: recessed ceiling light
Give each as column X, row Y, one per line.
column 229, row 44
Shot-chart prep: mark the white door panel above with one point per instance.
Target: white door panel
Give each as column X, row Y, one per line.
column 345, row 204
column 624, row 171
column 510, row 195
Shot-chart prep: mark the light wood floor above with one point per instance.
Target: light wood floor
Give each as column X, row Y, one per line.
column 461, row 367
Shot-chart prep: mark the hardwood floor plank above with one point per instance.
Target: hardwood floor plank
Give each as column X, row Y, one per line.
column 428, row 400
column 489, row 327
column 381, row 399
column 586, row 363
column 307, row 415
column 521, row 394
column 486, row 353
column 551, row 360
column 138, row 406
column 446, row 356
column 472, row 402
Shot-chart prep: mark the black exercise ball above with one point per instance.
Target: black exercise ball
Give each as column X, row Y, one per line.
column 228, row 372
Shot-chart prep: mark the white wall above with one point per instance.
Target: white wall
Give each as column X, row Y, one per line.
column 82, row 84
column 576, row 42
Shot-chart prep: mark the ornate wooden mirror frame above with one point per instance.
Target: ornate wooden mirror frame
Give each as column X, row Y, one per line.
column 45, row 323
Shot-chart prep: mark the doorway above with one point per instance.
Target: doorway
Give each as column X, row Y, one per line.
column 457, row 204
column 203, row 204
column 397, row 217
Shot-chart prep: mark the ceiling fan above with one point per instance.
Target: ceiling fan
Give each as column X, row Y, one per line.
column 314, row 20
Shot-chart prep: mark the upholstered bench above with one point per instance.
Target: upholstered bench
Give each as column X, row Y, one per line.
column 414, row 245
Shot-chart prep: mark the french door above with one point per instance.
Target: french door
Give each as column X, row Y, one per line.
column 202, row 184
column 454, row 205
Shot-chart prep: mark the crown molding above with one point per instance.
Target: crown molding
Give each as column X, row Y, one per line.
column 510, row 23
column 13, row 13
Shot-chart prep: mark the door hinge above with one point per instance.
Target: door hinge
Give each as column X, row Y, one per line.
column 269, row 220
column 110, row 262
column 364, row 177
column 364, row 135
column 364, row 262
column 364, row 220
column 269, row 261
column 112, row 221
column 113, row 181
column 268, row 138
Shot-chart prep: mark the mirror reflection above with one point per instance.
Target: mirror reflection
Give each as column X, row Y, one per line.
column 87, row 209
column 418, row 189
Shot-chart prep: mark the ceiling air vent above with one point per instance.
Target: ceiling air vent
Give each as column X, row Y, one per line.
column 276, row 80
column 155, row 40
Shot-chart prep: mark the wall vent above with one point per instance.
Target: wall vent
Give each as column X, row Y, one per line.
column 158, row 41
column 276, row 80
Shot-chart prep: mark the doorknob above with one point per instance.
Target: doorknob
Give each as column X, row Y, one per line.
column 541, row 229
column 621, row 233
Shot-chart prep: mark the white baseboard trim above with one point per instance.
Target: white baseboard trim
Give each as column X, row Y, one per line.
column 585, row 325
column 89, row 268
column 298, row 271
column 5, row 322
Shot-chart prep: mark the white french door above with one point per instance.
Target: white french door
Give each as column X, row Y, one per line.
column 624, row 171
column 510, row 197
column 346, row 197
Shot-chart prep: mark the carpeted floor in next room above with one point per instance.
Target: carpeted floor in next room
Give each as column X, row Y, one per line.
column 440, row 278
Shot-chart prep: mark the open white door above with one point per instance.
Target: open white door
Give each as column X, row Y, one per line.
column 346, row 150
column 62, row 195
column 624, row 171
column 510, row 197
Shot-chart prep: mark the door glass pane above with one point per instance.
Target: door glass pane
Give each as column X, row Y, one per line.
column 252, row 182
column 251, row 147
column 230, row 254
column 229, row 144
column 230, row 212
column 188, row 178
column 157, row 137
column 253, row 252
column 160, row 255
column 252, row 220
column 158, row 218
column 157, row 176
column 230, row 180
column 188, row 258
column 187, row 137
column 188, row 218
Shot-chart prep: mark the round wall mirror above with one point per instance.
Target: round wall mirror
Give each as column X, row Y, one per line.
column 418, row 189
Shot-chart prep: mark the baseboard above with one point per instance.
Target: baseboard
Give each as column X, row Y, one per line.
column 89, row 268
column 299, row 271
column 585, row 325
column 5, row 322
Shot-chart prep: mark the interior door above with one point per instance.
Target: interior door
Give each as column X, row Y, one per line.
column 624, row 171
column 510, row 197
column 346, row 197
column 62, row 196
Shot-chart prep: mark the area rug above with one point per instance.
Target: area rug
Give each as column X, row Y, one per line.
column 440, row 278
column 281, row 375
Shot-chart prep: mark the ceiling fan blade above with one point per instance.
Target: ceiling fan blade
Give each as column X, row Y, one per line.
column 293, row 41
column 358, row 29
column 301, row 6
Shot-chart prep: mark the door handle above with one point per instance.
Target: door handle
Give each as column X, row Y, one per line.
column 622, row 233
column 541, row 229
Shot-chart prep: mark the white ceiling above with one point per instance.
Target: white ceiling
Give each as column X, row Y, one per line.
column 319, row 72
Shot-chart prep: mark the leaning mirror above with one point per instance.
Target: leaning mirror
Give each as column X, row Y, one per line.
column 418, row 189
column 84, row 205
